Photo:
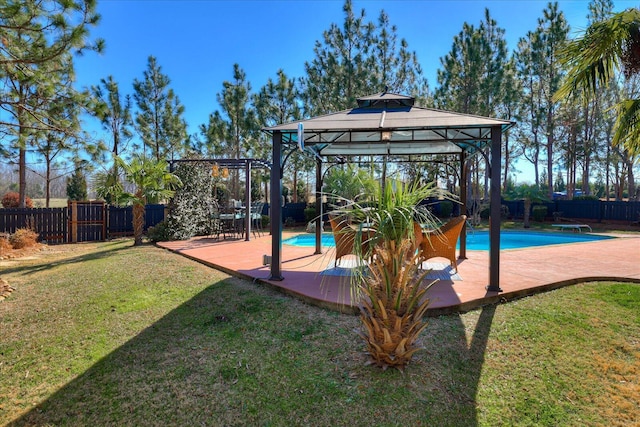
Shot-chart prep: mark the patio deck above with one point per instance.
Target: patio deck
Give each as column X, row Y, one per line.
column 523, row 272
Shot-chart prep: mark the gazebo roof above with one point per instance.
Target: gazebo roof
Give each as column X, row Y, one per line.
column 388, row 123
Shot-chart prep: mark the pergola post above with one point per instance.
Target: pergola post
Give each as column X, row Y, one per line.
column 275, row 208
column 318, row 206
column 247, row 201
column 494, row 218
column 463, row 201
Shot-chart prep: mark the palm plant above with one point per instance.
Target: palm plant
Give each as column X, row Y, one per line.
column 593, row 58
column 153, row 182
column 529, row 194
column 390, row 290
column 349, row 183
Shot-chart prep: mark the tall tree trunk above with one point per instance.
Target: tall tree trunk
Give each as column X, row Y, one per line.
column 631, row 179
column 527, row 212
column 550, row 142
column 295, row 186
column 138, row 219
column 47, row 182
column 507, row 160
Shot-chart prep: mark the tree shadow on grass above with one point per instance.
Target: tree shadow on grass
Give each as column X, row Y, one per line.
column 246, row 356
column 109, row 249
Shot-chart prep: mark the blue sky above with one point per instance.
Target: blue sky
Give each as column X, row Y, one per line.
column 197, row 42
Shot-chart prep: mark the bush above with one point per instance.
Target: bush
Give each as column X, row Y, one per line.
column 485, row 212
column 590, row 197
column 192, row 205
column 309, row 214
column 4, row 245
column 12, row 200
column 266, row 220
column 23, row 238
column 539, row 213
column 160, row 232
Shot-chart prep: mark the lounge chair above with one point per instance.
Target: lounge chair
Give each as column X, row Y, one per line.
column 345, row 237
column 442, row 241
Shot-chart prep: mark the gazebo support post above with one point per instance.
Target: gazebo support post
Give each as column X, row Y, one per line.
column 247, row 201
column 318, row 206
column 463, row 201
column 276, row 207
column 494, row 218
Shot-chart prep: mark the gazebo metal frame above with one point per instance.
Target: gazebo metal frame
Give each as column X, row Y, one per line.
column 390, row 124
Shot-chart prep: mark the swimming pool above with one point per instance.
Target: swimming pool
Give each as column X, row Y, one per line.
column 479, row 240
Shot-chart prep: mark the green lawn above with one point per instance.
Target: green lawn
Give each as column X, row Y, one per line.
column 108, row 334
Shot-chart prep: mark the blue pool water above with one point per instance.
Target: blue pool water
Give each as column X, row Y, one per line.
column 479, row 240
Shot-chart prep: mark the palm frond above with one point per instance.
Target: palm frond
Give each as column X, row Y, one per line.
column 628, row 125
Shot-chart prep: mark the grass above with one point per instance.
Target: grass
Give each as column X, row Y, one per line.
column 110, row 334
column 53, row 203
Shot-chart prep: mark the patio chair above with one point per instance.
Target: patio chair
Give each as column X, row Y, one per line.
column 441, row 242
column 345, row 237
column 230, row 222
column 256, row 217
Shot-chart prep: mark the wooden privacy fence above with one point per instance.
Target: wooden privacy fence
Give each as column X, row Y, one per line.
column 594, row 210
column 78, row 222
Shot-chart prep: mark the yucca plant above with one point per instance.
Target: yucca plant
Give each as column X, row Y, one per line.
column 391, row 289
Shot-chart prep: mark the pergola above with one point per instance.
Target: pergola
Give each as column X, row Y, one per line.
column 390, row 124
column 234, row 164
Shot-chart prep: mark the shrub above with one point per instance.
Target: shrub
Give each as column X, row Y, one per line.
column 589, row 197
column 539, row 213
column 160, row 232
column 309, row 214
column 485, row 212
column 266, row 220
column 192, row 205
column 12, row 200
column 4, row 245
column 23, row 238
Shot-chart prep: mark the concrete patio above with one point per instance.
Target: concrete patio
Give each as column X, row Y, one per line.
column 523, row 272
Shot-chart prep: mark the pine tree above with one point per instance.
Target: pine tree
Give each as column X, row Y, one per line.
column 232, row 132
column 77, row 186
column 356, row 59
column 159, row 118
column 275, row 103
column 37, row 41
column 472, row 81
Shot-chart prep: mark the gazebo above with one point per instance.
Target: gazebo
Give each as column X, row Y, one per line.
column 390, row 124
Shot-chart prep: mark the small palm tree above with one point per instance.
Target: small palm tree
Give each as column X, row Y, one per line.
column 529, row 194
column 153, row 182
column 390, row 290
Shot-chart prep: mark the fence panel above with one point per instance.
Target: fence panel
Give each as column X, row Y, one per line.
column 79, row 222
column 49, row 223
column 88, row 221
column 584, row 209
column 621, row 211
column 120, row 221
column 294, row 211
column 153, row 215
